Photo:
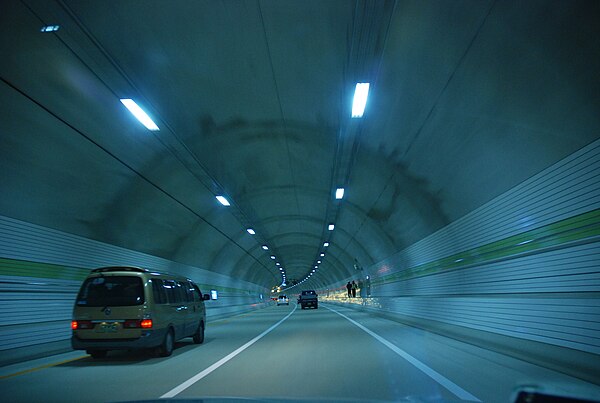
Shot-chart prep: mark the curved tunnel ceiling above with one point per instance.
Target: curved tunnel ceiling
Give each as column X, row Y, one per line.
column 468, row 99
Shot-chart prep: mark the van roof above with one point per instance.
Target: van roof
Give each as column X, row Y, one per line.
column 135, row 269
column 120, row 268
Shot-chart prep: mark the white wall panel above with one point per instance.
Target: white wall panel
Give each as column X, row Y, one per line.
column 549, row 294
column 37, row 309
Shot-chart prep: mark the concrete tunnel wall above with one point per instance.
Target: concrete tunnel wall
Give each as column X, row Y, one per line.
column 523, row 268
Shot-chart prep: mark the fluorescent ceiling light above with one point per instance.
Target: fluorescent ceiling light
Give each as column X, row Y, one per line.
column 272, row 257
column 223, row 200
column 139, row 114
column 278, row 264
column 331, row 227
column 251, row 231
column 265, row 247
column 318, row 262
column 361, row 93
column 326, row 244
column 339, row 193
column 322, row 254
column 50, row 28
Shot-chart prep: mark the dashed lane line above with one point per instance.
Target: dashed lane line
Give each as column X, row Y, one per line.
column 180, row 388
column 436, row 376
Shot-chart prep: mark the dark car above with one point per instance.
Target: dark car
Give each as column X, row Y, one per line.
column 308, row 298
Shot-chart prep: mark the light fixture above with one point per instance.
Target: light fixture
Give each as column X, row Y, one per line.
column 277, row 264
column 139, row 114
column 339, row 193
column 322, row 254
column 326, row 244
column 223, row 200
column 251, row 231
column 331, row 227
column 272, row 257
column 50, row 28
column 361, row 93
column 265, row 247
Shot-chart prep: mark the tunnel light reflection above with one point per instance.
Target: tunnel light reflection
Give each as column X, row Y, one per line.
column 139, row 114
column 361, row 93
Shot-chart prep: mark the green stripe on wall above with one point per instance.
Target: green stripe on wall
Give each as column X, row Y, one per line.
column 572, row 229
column 24, row 268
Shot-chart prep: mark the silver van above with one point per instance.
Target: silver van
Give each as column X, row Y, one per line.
column 122, row 308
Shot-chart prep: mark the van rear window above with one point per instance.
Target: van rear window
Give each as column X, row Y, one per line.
column 111, row 291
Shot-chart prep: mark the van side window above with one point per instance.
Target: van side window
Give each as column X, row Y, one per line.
column 170, row 288
column 182, row 288
column 190, row 291
column 180, row 292
column 197, row 292
column 160, row 295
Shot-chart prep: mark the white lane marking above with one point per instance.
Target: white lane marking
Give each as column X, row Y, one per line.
column 436, row 376
column 178, row 389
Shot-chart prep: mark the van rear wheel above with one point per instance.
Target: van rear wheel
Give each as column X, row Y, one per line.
column 166, row 348
column 199, row 335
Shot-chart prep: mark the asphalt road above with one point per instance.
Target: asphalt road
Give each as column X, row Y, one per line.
column 284, row 352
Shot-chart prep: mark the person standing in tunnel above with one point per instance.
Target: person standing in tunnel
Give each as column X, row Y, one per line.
column 354, row 288
column 349, row 288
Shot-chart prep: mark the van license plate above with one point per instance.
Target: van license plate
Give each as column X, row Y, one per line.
column 107, row 327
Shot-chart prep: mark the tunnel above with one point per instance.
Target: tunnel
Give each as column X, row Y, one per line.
column 462, row 199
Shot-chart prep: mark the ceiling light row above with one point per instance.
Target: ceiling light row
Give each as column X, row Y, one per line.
column 223, row 200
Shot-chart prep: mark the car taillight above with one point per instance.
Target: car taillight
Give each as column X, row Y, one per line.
column 81, row 324
column 136, row 324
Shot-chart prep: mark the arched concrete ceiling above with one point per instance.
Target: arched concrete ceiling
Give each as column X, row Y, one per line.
column 252, row 98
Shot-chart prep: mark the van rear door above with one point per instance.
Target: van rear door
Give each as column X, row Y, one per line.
column 109, row 307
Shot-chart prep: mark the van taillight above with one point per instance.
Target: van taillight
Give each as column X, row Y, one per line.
column 81, row 324
column 136, row 323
